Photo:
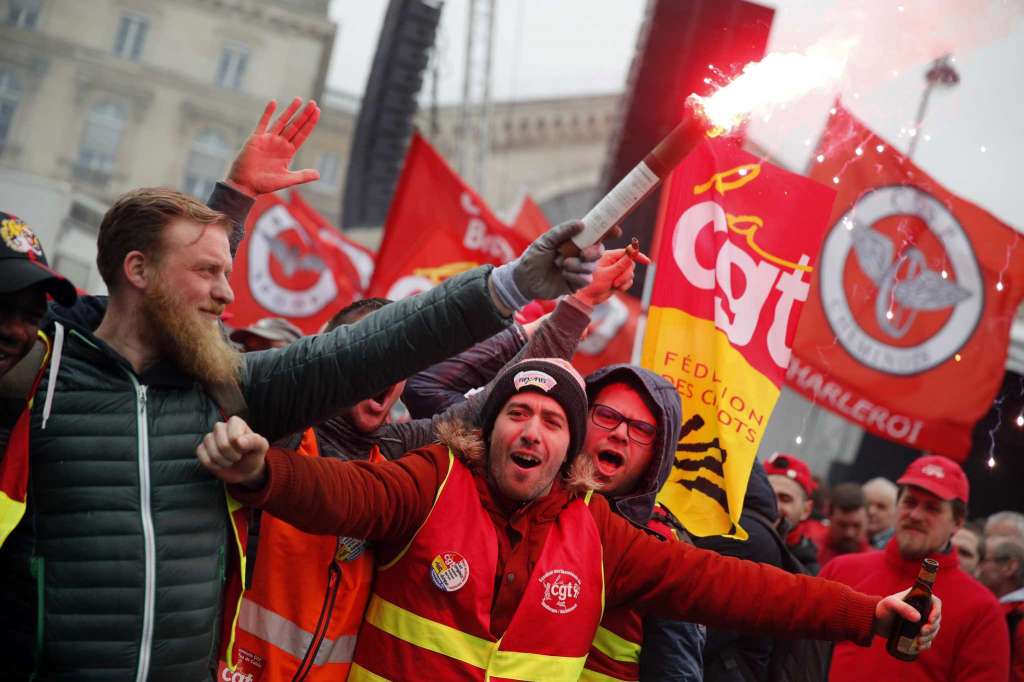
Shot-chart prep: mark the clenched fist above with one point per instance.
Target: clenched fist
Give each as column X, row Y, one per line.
column 234, row 453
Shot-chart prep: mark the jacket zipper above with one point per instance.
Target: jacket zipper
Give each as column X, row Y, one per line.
column 333, row 583
column 148, row 536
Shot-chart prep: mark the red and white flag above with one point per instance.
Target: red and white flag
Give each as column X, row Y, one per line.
column 436, row 227
column 353, row 258
column 906, row 329
column 284, row 268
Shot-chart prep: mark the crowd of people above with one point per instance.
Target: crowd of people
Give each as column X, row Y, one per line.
column 876, row 534
column 183, row 502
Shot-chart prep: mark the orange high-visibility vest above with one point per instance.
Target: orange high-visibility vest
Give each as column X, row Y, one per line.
column 430, row 612
column 300, row 617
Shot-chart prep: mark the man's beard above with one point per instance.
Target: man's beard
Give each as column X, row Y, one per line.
column 194, row 344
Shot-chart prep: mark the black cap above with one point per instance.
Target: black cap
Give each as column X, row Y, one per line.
column 553, row 377
column 23, row 263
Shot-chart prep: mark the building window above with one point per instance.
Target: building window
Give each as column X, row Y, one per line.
column 23, row 13
column 206, row 164
column 231, row 67
column 131, row 34
column 101, row 136
column 329, row 165
column 10, row 93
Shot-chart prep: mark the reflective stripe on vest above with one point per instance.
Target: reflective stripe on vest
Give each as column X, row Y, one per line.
column 430, row 612
column 287, row 636
column 615, row 647
column 309, row 594
column 612, row 655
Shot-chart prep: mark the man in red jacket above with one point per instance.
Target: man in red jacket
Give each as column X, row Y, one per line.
column 932, row 505
column 494, row 558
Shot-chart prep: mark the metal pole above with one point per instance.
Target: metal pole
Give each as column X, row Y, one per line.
column 941, row 74
column 484, row 141
column 467, row 77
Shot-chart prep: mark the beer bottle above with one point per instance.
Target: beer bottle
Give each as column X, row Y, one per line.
column 902, row 639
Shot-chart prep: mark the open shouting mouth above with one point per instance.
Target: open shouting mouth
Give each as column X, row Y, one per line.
column 525, row 460
column 609, row 462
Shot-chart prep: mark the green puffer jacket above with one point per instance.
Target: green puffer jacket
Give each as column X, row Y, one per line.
column 116, row 570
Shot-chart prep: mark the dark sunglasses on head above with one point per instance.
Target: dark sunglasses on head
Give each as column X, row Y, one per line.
column 638, row 431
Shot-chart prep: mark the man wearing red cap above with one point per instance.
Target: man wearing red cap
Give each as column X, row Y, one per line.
column 974, row 646
column 791, row 480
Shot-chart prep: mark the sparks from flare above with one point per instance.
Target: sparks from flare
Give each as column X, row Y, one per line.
column 773, row 82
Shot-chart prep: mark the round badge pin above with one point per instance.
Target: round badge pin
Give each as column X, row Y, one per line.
column 449, row 571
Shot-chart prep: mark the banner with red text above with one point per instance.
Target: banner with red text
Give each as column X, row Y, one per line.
column 906, row 329
column 739, row 240
column 436, row 227
column 284, row 268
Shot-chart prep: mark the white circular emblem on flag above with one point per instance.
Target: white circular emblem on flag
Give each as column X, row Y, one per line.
column 900, row 285
column 449, row 571
column 286, row 275
column 561, row 591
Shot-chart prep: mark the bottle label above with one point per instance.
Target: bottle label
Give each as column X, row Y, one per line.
column 907, row 645
column 616, row 204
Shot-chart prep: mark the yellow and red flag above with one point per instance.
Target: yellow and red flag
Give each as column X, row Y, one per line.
column 739, row 239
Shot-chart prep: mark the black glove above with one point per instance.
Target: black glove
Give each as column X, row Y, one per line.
column 541, row 272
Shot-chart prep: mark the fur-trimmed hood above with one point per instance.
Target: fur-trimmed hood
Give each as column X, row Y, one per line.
column 465, row 441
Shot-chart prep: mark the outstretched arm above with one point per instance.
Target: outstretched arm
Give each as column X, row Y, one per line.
column 447, row 383
column 385, row 501
column 674, row 580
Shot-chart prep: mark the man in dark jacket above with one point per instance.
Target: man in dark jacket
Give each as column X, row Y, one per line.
column 116, row 569
column 760, row 513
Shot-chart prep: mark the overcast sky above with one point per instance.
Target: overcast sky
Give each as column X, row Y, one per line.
column 974, row 134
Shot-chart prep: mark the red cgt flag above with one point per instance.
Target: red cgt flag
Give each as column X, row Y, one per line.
column 906, row 329
column 284, row 268
column 437, row 227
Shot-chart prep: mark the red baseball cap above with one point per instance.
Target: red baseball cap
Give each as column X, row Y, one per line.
column 939, row 475
column 790, row 466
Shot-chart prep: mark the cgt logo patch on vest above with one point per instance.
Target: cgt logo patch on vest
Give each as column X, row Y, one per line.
column 449, row 571
column 561, row 591
column 349, row 549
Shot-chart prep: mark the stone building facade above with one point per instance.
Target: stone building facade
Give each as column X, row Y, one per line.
column 99, row 97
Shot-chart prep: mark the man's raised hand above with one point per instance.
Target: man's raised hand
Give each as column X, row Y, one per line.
column 262, row 165
column 234, row 453
column 614, row 272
